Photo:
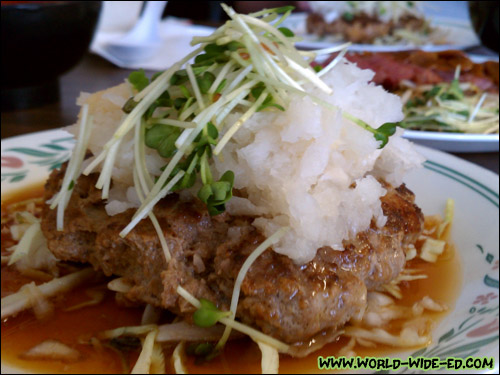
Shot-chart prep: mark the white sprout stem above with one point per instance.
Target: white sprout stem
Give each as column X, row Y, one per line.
column 327, row 51
column 177, row 123
column 237, row 125
column 274, row 31
column 310, row 75
column 189, row 111
column 220, row 77
column 457, row 72
column 477, row 107
column 285, row 77
column 147, row 207
column 253, row 333
column 228, row 108
column 97, row 160
column 194, row 85
column 314, row 98
column 182, row 139
column 210, row 38
column 332, row 63
column 283, row 17
column 161, row 236
column 272, row 240
column 236, row 56
column 255, row 49
column 161, row 180
column 188, row 297
column 146, row 182
column 152, row 217
column 224, row 40
column 263, row 12
column 104, row 180
column 188, row 135
column 73, row 168
column 240, row 77
column 259, row 64
column 279, row 55
column 73, row 161
column 166, row 74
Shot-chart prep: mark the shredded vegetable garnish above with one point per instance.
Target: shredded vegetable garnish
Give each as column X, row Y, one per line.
column 177, row 359
column 14, row 303
column 143, row 364
column 450, row 107
column 270, row 359
column 249, row 64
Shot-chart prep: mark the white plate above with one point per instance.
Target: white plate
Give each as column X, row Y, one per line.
column 459, row 34
column 455, row 142
column 471, row 329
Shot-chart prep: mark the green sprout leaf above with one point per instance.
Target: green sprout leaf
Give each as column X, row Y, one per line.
column 179, row 77
column 205, row 82
column 138, row 80
column 414, row 102
column 200, row 350
column 216, row 194
column 179, row 103
column 384, row 132
column 129, row 105
column 221, row 86
column 317, row 68
column 208, row 314
column 162, row 138
column 258, row 89
column 432, row 92
column 286, row 32
column 283, row 9
column 267, row 105
column 185, row 91
column 234, row 46
column 455, row 92
column 381, row 134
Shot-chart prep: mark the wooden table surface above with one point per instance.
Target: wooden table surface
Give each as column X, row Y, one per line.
column 93, row 74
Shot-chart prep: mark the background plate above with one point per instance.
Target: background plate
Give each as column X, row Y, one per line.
column 459, row 33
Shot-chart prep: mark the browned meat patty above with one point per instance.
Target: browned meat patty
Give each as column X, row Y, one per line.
column 290, row 302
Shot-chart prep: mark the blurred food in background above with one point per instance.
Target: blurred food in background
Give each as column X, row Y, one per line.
column 441, row 91
column 373, row 22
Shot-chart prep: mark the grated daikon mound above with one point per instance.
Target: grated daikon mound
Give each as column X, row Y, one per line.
column 306, row 168
column 299, row 167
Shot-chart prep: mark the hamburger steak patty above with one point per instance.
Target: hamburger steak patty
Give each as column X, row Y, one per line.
column 293, row 303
